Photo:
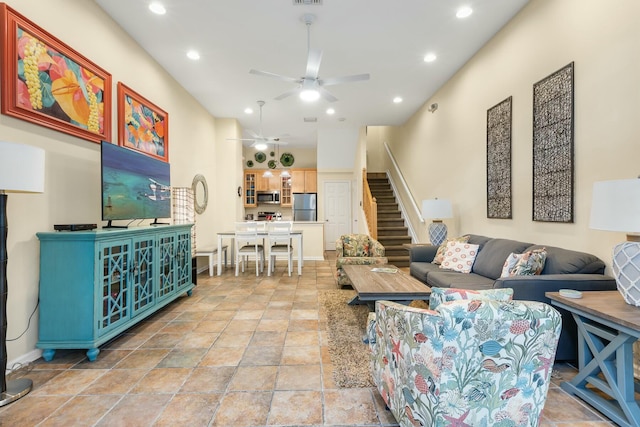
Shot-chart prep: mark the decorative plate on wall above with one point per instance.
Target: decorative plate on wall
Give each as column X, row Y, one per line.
column 286, row 159
column 260, row 157
column 272, row 164
column 272, row 154
column 249, row 163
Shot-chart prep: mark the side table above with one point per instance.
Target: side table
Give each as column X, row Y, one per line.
column 607, row 329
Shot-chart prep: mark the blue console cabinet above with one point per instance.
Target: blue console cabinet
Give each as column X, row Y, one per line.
column 94, row 285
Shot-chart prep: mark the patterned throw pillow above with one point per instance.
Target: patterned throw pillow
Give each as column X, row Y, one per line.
column 531, row 263
column 459, row 257
column 509, row 263
column 437, row 259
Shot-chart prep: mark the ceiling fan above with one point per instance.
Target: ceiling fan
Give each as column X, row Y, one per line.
column 260, row 142
column 310, row 87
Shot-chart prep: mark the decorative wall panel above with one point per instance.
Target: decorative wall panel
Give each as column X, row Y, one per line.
column 499, row 160
column 553, row 147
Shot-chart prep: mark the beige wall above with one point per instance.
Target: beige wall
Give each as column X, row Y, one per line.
column 72, row 189
column 443, row 154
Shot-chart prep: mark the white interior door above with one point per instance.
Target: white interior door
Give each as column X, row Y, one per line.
column 337, row 202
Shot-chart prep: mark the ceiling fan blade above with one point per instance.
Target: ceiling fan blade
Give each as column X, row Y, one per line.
column 240, row 139
column 286, row 94
column 313, row 64
column 326, row 94
column 275, row 76
column 345, row 79
column 252, row 133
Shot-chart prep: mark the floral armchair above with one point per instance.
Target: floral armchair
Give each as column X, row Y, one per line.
column 475, row 358
column 356, row 249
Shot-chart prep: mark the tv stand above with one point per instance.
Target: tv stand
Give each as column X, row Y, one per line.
column 109, row 225
column 112, row 279
column 155, row 222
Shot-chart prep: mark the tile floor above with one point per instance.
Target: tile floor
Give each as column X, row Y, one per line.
column 240, row 351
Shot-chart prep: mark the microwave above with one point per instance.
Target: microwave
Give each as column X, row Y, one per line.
column 269, row 197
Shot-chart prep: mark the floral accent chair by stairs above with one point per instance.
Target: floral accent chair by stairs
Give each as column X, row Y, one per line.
column 475, row 358
column 356, row 249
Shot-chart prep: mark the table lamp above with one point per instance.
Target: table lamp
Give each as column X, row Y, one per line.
column 21, row 170
column 615, row 206
column 437, row 210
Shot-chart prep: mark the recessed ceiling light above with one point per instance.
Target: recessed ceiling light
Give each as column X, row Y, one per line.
column 464, row 12
column 193, row 54
column 330, row 111
column 157, row 8
column 397, row 100
column 248, row 111
column 430, row 57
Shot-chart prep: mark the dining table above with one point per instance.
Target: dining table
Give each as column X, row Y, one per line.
column 295, row 235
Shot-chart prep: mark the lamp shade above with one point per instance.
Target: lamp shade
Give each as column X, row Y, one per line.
column 21, row 168
column 615, row 206
column 436, row 209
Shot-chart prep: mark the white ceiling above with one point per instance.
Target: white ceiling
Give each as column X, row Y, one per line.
column 385, row 38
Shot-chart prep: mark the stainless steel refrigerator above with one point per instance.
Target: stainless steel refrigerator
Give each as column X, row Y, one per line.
column 304, row 206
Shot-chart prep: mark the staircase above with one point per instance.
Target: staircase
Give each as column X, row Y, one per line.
column 392, row 232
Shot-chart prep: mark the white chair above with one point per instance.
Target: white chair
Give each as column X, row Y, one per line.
column 248, row 244
column 279, row 243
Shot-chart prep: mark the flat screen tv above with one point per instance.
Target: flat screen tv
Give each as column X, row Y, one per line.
column 134, row 185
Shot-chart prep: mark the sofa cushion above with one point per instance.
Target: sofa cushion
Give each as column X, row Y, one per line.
column 459, row 256
column 453, row 279
column 566, row 261
column 421, row 270
column 355, row 245
column 491, row 257
column 509, row 263
column 530, row 263
column 442, row 249
column 476, row 239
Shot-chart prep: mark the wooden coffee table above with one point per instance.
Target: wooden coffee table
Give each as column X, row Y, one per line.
column 371, row 284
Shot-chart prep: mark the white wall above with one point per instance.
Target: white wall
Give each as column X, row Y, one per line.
column 337, row 148
column 443, row 154
column 72, row 189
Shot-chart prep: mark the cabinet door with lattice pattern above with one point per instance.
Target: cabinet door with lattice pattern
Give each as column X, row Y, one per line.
column 166, row 284
column 143, row 274
column 183, row 260
column 112, row 302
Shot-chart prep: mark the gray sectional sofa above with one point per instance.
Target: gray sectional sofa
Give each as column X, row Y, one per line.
column 563, row 269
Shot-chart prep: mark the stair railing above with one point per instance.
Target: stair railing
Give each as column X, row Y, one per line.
column 407, row 194
column 370, row 206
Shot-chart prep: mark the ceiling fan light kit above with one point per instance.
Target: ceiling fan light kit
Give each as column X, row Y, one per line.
column 260, row 142
column 309, row 95
column 310, row 87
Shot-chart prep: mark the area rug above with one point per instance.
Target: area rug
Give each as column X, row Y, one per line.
column 345, row 329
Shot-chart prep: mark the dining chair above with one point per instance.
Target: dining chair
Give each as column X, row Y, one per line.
column 279, row 243
column 248, row 244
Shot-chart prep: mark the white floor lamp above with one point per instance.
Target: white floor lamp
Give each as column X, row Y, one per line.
column 437, row 210
column 615, row 206
column 21, row 170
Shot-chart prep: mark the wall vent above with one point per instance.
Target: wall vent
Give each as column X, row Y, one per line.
column 310, row 119
column 307, row 2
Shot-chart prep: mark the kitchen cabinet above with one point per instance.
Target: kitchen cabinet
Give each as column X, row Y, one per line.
column 250, row 189
column 94, row 285
column 254, row 181
column 304, row 181
column 285, row 191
